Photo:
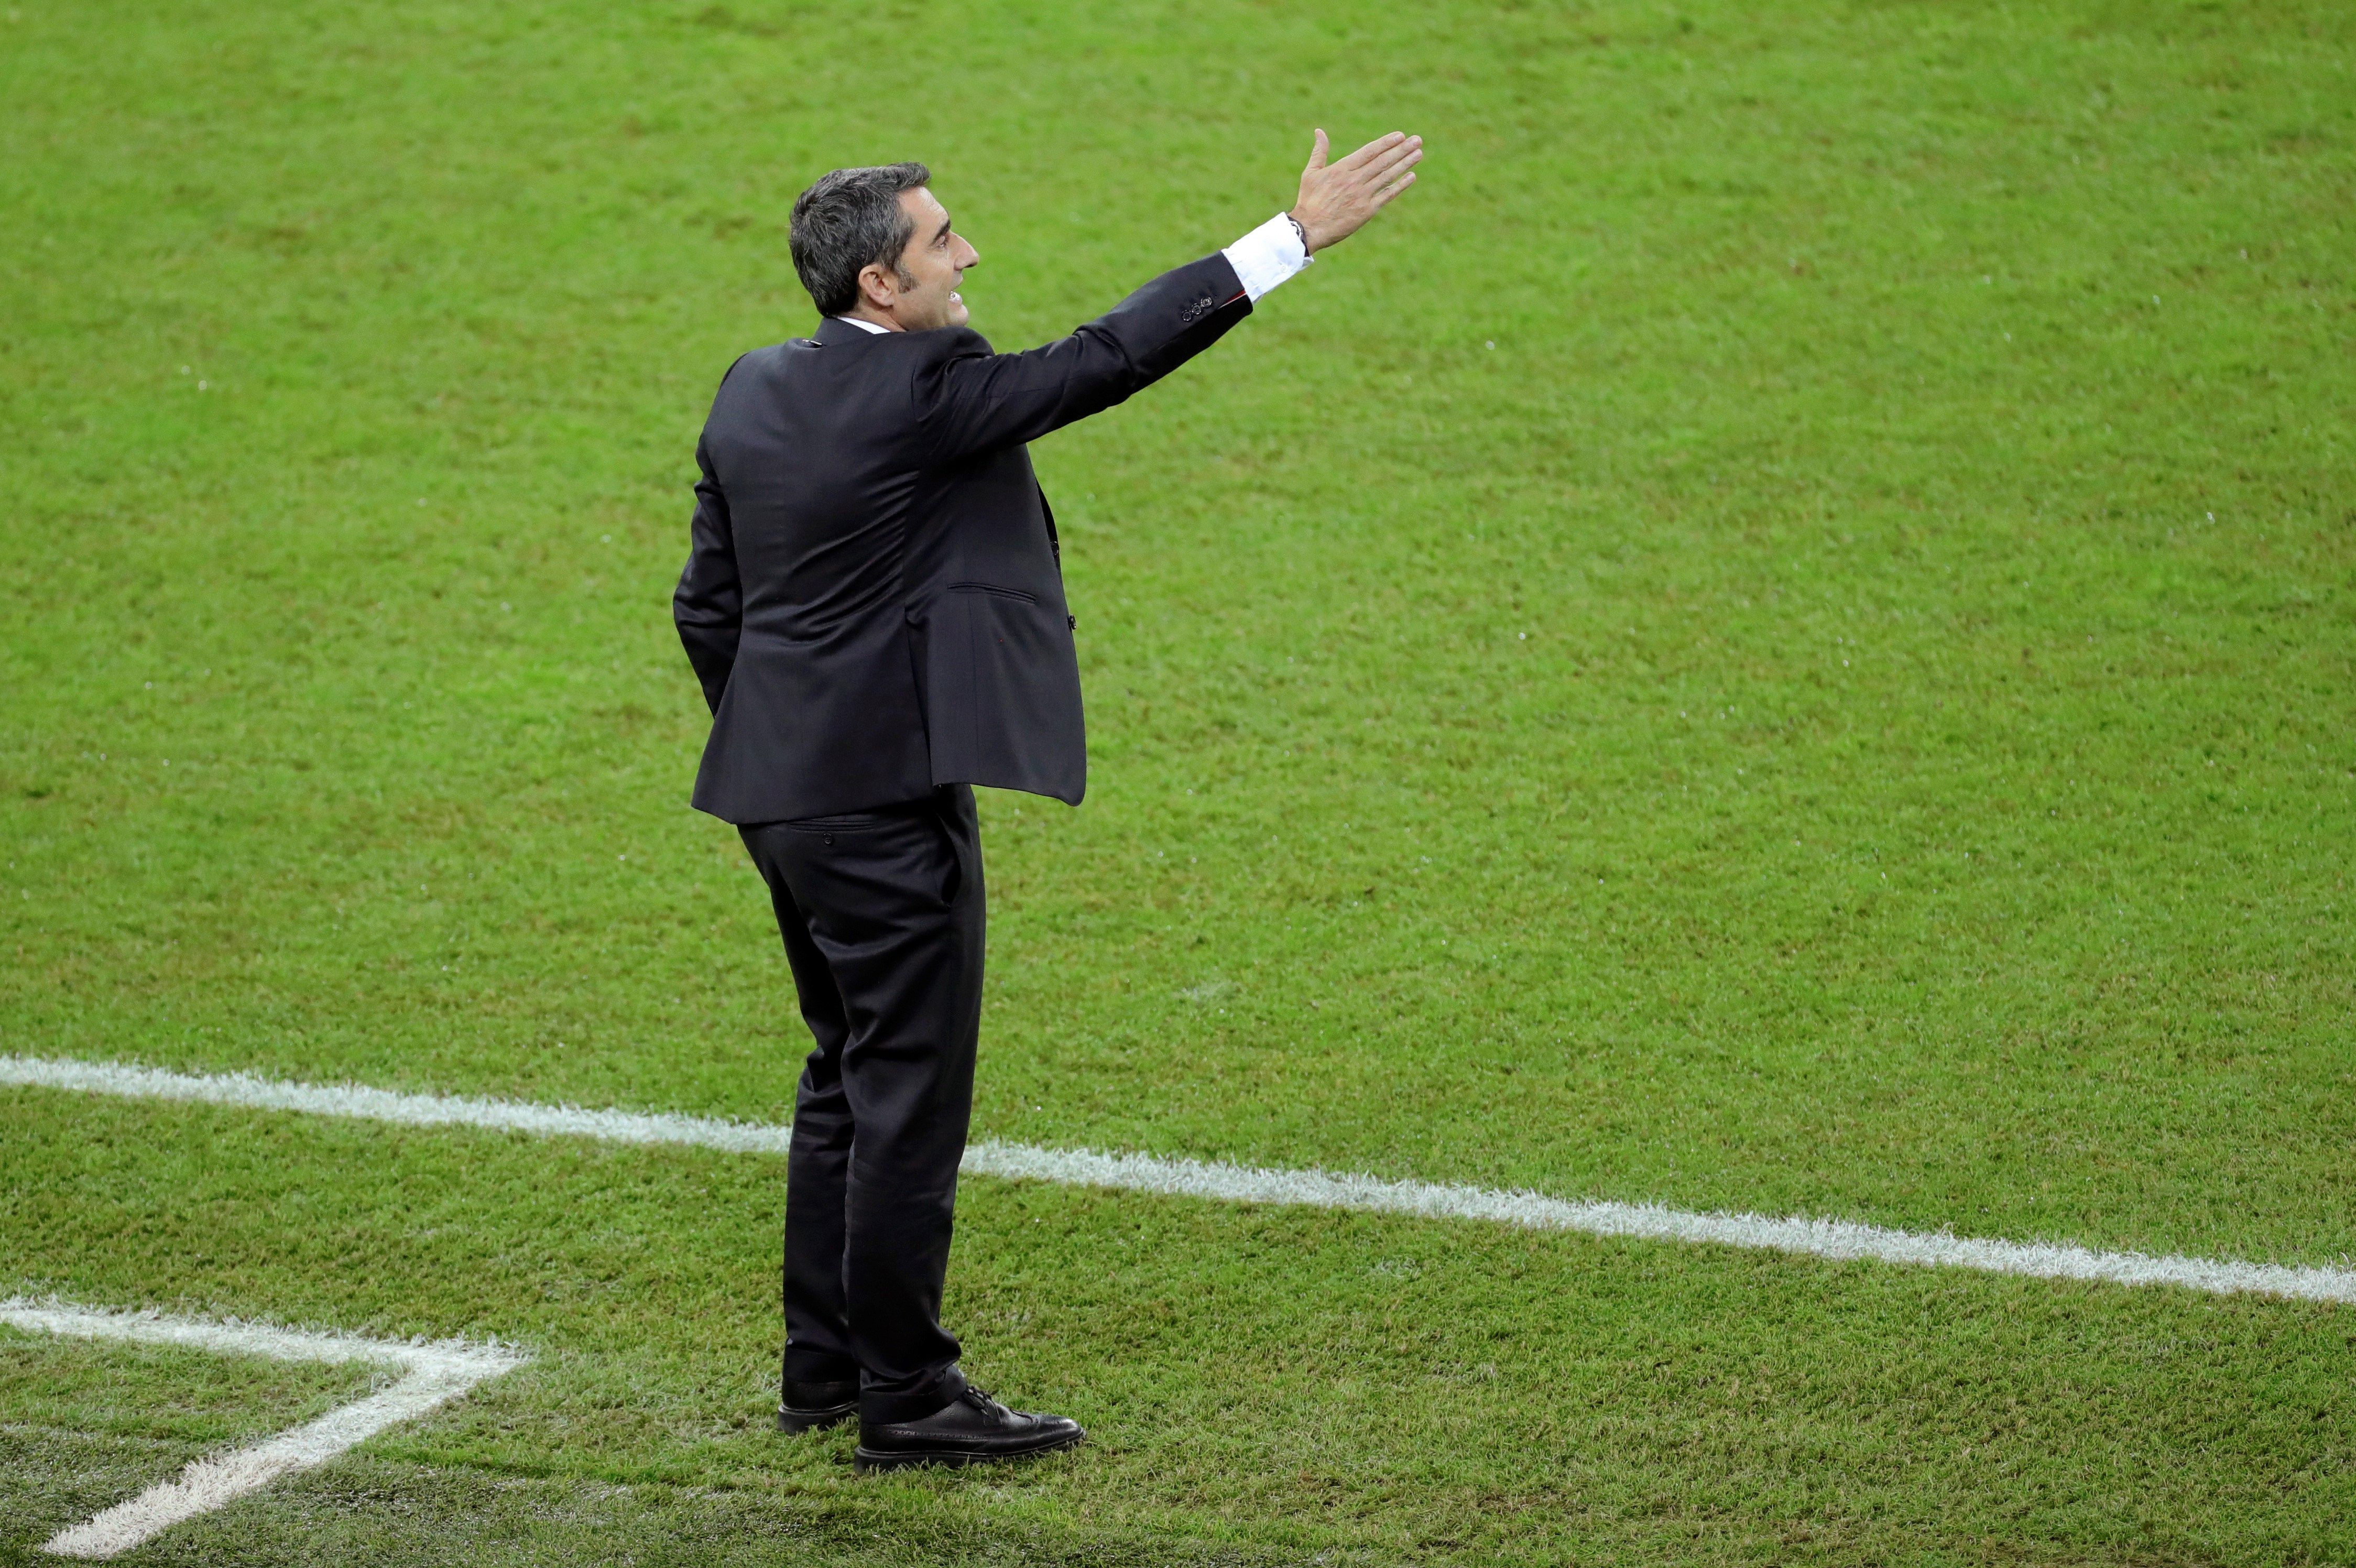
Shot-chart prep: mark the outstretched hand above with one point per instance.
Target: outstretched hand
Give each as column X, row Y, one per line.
column 1338, row 199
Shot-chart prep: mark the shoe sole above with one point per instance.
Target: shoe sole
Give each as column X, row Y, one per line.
column 867, row 1461
column 800, row 1420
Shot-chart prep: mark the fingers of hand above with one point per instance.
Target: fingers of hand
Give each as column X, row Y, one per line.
column 1405, row 157
column 1374, row 148
column 1354, row 188
column 1379, row 177
column 1378, row 169
column 1318, row 150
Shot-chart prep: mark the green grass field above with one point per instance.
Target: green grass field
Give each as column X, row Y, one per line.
column 1781, row 635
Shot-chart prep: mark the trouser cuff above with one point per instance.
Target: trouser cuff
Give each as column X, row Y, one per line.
column 938, row 1391
column 819, row 1367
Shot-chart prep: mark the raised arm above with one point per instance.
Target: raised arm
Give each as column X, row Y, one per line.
column 972, row 401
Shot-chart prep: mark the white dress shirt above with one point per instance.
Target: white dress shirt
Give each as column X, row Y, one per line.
column 1268, row 255
column 1262, row 259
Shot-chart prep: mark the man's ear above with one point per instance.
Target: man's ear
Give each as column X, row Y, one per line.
column 878, row 287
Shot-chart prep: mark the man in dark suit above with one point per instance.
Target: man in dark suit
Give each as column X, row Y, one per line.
column 874, row 604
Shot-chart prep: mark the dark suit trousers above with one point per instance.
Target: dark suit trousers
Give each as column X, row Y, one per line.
column 881, row 914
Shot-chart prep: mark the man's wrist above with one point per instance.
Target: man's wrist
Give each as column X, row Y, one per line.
column 1269, row 255
column 1306, row 249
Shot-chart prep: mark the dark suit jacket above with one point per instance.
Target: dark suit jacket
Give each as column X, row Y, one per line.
column 874, row 598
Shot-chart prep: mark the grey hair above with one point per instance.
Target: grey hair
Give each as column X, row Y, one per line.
column 849, row 219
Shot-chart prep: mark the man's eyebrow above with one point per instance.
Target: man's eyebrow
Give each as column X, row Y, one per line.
column 942, row 230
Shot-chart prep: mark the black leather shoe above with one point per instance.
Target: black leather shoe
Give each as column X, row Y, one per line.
column 814, row 1407
column 973, row 1430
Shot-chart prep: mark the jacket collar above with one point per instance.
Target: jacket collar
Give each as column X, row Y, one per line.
column 834, row 330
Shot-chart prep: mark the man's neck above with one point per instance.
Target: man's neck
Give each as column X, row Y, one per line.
column 865, row 313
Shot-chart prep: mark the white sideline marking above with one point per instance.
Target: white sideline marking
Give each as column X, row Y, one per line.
column 1834, row 1239
column 434, row 1372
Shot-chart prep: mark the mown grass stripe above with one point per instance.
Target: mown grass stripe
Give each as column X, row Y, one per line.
column 1220, row 1182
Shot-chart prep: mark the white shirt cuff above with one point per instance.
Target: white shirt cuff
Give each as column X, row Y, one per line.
column 1267, row 256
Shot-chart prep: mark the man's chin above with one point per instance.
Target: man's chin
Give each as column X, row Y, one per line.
column 958, row 314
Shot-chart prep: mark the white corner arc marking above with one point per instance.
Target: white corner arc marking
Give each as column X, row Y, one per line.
column 432, row 1373
column 1834, row 1239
